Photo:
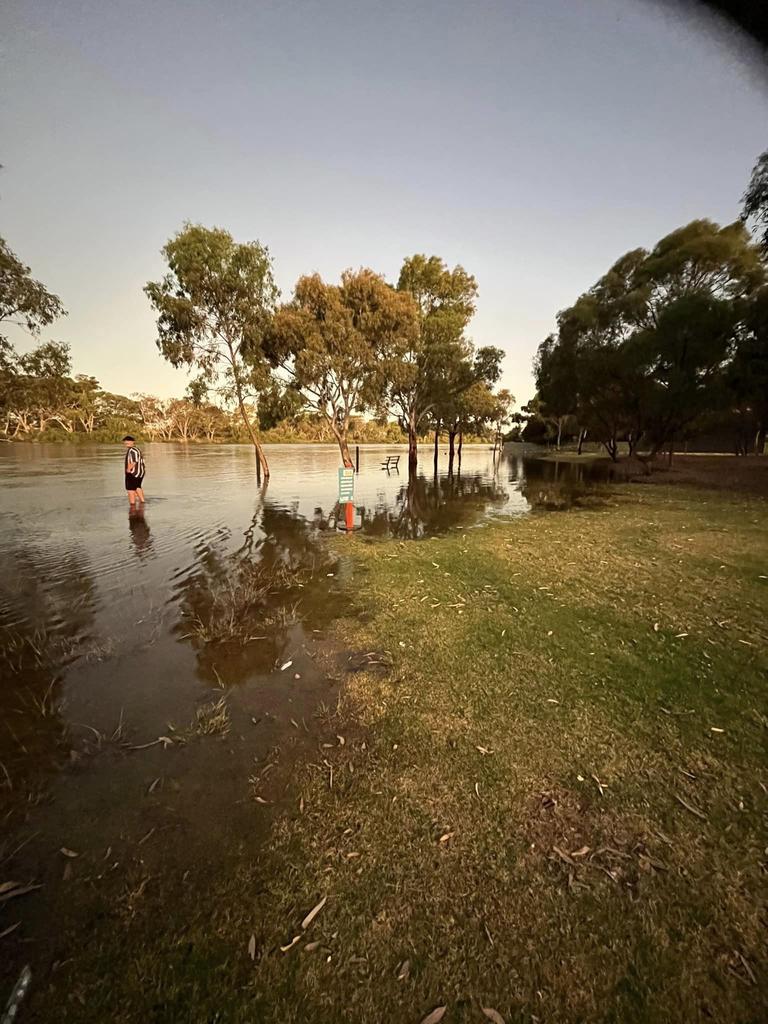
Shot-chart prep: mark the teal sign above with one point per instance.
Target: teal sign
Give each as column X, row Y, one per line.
column 346, row 484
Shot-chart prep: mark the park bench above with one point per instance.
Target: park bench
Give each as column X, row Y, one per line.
column 391, row 462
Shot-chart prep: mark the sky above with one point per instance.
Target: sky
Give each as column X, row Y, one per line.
column 531, row 141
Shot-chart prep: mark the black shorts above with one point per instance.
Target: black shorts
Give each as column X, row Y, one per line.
column 133, row 482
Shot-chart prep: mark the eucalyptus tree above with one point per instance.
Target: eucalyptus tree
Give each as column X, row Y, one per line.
column 332, row 343
column 213, row 309
column 755, row 199
column 437, row 362
column 24, row 301
column 470, row 404
column 555, row 369
column 647, row 346
column 747, row 373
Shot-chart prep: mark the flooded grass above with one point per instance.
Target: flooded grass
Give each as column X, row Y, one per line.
column 541, row 795
column 212, row 719
column 235, row 609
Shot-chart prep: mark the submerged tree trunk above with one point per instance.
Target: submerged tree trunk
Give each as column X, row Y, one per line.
column 261, row 460
column 437, row 443
column 461, row 443
column 413, row 450
column 612, row 448
column 451, row 450
column 582, row 437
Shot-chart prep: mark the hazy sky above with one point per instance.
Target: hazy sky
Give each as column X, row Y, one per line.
column 533, row 141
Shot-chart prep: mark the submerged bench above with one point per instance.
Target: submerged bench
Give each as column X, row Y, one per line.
column 391, row 462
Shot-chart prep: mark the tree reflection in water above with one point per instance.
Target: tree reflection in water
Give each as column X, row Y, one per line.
column 554, row 485
column 241, row 609
column 424, row 507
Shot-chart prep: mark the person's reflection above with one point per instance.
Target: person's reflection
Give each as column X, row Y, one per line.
column 139, row 530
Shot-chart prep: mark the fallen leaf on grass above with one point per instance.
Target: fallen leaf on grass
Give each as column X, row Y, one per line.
column 581, row 853
column 252, row 947
column 313, row 913
column 285, row 666
column 493, row 1015
column 68, row 853
column 690, row 807
column 747, row 968
column 67, row 872
column 8, row 931
column 291, row 944
column 403, row 970
column 713, row 728
column 9, row 890
column 447, row 837
column 564, row 856
column 484, row 750
column 436, row 1015
column 311, row 947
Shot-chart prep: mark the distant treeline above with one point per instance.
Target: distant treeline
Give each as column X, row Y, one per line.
column 40, row 400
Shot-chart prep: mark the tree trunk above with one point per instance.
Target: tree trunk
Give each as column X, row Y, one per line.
column 437, row 443
column 559, row 431
column 261, row 459
column 413, row 450
column 612, row 448
column 346, row 457
column 582, row 437
column 451, row 450
column 461, row 442
column 760, row 440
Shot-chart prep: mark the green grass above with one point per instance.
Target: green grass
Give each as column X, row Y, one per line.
column 552, row 804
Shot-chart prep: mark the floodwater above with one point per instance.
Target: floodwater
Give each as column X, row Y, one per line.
column 120, row 632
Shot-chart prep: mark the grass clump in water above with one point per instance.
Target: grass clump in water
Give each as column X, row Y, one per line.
column 253, row 597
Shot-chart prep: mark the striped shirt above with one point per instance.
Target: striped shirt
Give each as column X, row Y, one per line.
column 134, row 456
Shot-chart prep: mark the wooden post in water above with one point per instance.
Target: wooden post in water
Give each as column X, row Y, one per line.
column 357, row 458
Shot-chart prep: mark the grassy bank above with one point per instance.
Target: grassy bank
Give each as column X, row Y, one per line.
column 542, row 794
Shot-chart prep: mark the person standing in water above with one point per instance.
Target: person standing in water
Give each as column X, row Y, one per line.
column 134, row 470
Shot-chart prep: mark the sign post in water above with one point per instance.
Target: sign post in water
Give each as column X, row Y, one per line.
column 346, row 484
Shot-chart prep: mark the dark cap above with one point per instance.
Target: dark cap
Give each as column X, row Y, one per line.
column 129, row 438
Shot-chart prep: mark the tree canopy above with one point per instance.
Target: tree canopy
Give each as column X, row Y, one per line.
column 332, row 341
column 644, row 352
column 24, row 301
column 755, row 199
column 436, row 361
column 214, row 307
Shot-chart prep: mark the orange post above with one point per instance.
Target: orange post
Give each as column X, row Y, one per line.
column 349, row 515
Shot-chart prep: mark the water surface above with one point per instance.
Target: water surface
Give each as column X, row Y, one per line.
column 116, row 629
